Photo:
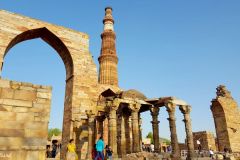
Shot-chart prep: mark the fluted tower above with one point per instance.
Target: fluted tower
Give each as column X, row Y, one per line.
column 108, row 59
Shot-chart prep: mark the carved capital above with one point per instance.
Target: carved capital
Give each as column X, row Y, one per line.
column 113, row 104
column 186, row 109
column 170, row 107
column 90, row 115
column 135, row 107
column 154, row 110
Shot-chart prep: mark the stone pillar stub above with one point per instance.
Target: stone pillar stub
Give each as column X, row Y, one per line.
column 123, row 135
column 188, row 128
column 155, row 112
column 172, row 123
column 105, row 130
column 128, row 134
column 112, row 125
column 135, row 126
column 100, row 127
column 91, row 118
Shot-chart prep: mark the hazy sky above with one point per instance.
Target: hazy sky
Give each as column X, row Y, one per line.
column 165, row 48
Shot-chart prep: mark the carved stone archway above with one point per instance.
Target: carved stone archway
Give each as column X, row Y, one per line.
column 81, row 72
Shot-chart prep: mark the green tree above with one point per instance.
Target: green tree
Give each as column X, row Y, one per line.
column 150, row 135
column 165, row 140
column 54, row 131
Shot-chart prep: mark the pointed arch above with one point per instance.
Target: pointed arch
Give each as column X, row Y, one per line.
column 49, row 38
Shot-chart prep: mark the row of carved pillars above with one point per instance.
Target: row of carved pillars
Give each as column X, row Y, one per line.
column 123, row 139
column 130, row 131
column 172, row 123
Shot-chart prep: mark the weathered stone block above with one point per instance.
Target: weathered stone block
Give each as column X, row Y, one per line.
column 35, row 141
column 26, row 117
column 43, row 101
column 7, row 93
column 12, row 132
column 15, row 85
column 44, row 95
column 7, row 116
column 11, row 125
column 40, row 133
column 27, row 88
column 11, row 141
column 26, row 84
column 13, row 102
column 25, row 95
column 5, row 108
column 20, row 109
column 4, row 83
column 36, row 125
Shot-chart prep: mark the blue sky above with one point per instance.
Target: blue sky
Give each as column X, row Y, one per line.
column 165, row 48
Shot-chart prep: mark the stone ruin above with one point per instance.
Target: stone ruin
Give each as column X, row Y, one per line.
column 94, row 104
column 226, row 116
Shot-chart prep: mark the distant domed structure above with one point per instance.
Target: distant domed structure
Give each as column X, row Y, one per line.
column 132, row 93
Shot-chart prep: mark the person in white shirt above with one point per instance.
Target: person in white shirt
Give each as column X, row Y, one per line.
column 152, row 147
column 211, row 153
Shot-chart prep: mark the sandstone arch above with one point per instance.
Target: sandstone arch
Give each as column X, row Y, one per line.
column 49, row 38
column 81, row 72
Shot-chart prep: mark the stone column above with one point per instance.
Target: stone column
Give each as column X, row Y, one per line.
column 128, row 130
column 135, row 126
column 112, row 128
column 105, row 130
column 172, row 123
column 188, row 127
column 154, row 112
column 99, row 128
column 140, row 131
column 123, row 136
column 90, row 116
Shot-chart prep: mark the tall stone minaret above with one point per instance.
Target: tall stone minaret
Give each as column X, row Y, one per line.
column 108, row 59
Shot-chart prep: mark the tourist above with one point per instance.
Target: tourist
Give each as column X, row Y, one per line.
column 109, row 152
column 148, row 148
column 199, row 150
column 211, row 153
column 48, row 152
column 94, row 152
column 225, row 154
column 71, row 151
column 106, row 147
column 100, row 148
column 54, row 148
column 58, row 149
column 169, row 149
column 152, row 147
column 143, row 147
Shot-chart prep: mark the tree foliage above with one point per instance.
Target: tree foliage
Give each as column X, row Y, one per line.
column 54, row 131
column 150, row 135
column 165, row 140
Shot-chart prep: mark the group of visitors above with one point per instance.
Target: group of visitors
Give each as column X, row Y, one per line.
column 97, row 152
column 225, row 154
column 53, row 150
column 148, row 148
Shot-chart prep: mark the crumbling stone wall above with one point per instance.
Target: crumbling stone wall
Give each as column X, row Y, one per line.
column 24, row 117
column 226, row 116
column 206, row 139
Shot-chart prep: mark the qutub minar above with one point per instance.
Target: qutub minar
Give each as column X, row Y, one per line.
column 94, row 104
column 108, row 60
